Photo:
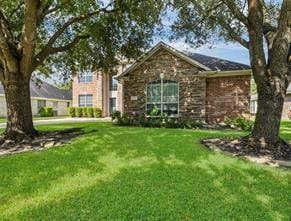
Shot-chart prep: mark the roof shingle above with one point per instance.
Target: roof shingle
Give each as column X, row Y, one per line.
column 46, row 90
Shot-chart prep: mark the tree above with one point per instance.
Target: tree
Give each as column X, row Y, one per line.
column 45, row 35
column 262, row 27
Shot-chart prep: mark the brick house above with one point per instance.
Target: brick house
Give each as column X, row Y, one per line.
column 171, row 82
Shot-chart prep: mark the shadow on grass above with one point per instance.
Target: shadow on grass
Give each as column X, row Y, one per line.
column 135, row 173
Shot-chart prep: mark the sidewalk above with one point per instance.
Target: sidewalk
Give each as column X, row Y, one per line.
column 65, row 120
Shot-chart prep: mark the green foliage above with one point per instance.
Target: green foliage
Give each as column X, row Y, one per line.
column 85, row 113
column 72, row 111
column 46, row 112
column 158, row 122
column 115, row 115
column 239, row 122
column 97, row 112
column 79, row 111
column 90, row 112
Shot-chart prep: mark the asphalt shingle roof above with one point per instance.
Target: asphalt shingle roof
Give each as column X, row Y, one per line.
column 217, row 63
column 46, row 90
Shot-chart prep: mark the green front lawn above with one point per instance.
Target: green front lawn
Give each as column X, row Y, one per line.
column 121, row 173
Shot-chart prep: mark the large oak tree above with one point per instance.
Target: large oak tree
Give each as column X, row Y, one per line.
column 262, row 27
column 39, row 36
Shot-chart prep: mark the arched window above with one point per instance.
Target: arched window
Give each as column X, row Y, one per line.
column 163, row 97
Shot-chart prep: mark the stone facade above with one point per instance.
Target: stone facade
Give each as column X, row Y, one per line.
column 200, row 97
column 191, row 86
column 227, row 96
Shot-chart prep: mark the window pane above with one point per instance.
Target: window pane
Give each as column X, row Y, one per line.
column 85, row 77
column 85, row 100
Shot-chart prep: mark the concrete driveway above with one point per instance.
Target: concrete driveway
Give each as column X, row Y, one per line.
column 65, row 120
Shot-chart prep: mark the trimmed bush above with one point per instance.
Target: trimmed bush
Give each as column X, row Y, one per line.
column 85, row 111
column 157, row 122
column 79, row 112
column 72, row 111
column 90, row 112
column 115, row 115
column 97, row 112
column 46, row 112
column 239, row 122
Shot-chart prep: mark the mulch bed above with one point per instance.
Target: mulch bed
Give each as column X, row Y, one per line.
column 43, row 141
column 279, row 156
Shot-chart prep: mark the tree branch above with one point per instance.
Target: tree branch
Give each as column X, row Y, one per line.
column 5, row 26
column 40, row 57
column 48, row 48
column 231, row 5
column 29, row 35
column 6, row 53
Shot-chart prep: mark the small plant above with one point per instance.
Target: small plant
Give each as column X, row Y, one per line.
column 115, row 115
column 239, row 122
column 85, row 111
column 79, row 112
column 72, row 111
column 154, row 112
column 97, row 112
column 46, row 112
column 90, row 112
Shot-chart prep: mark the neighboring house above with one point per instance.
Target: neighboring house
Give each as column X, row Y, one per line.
column 172, row 82
column 94, row 89
column 186, row 84
column 286, row 107
column 43, row 95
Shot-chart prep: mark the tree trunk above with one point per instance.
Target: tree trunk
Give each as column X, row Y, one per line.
column 19, row 114
column 267, row 123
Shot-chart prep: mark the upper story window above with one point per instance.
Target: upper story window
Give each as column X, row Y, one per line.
column 163, row 97
column 86, row 77
column 113, row 83
column 86, row 100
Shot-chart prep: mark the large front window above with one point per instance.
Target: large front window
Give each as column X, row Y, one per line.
column 86, row 77
column 163, row 98
column 113, row 84
column 85, row 100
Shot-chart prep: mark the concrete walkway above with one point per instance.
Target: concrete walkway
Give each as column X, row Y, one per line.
column 65, row 120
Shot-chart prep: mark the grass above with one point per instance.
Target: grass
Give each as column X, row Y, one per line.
column 3, row 119
column 121, row 173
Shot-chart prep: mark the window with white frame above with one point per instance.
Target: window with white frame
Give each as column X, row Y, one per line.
column 86, row 100
column 163, row 97
column 86, row 77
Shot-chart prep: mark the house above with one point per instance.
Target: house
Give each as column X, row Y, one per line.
column 43, row 95
column 286, row 106
column 95, row 89
column 171, row 82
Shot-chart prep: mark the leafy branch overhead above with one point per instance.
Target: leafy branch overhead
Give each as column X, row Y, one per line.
column 34, row 32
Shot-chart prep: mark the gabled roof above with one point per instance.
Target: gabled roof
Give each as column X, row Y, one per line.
column 46, row 90
column 205, row 63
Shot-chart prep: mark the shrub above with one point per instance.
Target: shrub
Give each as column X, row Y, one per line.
column 97, row 112
column 46, row 112
column 115, row 115
column 72, row 111
column 85, row 111
column 239, row 122
column 79, row 112
column 157, row 122
column 90, row 112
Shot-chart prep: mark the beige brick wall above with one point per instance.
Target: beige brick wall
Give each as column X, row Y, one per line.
column 227, row 96
column 286, row 107
column 61, row 107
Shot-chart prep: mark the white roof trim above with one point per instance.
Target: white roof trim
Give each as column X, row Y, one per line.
column 218, row 73
column 168, row 48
